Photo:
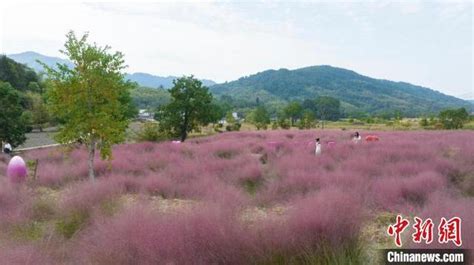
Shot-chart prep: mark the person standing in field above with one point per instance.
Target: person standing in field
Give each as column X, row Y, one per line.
column 356, row 137
column 317, row 150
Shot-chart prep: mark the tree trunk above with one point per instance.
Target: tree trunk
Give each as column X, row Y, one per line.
column 91, row 147
column 184, row 132
column 183, row 136
column 322, row 120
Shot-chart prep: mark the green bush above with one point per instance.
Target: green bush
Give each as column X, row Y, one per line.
column 150, row 132
column 454, row 118
column 233, row 127
column 424, row 122
column 274, row 126
column 284, row 124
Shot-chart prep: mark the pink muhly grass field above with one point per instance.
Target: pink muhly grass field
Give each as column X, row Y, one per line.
column 236, row 198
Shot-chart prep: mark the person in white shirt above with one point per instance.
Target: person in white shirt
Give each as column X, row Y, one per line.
column 356, row 137
column 317, row 151
column 7, row 149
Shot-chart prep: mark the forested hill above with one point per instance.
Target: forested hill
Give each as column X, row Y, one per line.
column 356, row 92
column 19, row 76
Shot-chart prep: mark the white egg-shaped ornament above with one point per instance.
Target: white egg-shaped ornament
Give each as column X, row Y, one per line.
column 16, row 170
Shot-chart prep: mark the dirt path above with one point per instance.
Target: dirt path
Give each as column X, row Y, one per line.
column 37, row 139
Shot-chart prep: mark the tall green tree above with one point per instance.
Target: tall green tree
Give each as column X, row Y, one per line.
column 91, row 98
column 309, row 104
column 328, row 108
column 454, row 118
column 216, row 112
column 229, row 118
column 190, row 107
column 260, row 117
column 39, row 112
column 12, row 126
column 293, row 111
column 307, row 120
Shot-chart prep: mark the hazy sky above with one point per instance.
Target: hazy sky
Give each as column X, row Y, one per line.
column 422, row 42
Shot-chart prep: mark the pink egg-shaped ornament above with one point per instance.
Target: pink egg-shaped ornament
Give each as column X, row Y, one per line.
column 16, row 170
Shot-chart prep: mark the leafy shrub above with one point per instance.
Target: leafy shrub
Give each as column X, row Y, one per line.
column 274, row 125
column 233, row 127
column 150, row 132
column 284, row 124
column 424, row 122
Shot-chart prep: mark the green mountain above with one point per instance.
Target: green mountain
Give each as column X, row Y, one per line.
column 143, row 79
column 356, row 92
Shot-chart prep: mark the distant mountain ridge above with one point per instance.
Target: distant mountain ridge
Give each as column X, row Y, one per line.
column 143, row 79
column 154, row 81
column 357, row 93
column 29, row 58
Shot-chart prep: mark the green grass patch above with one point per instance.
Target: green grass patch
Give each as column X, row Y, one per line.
column 251, row 186
column 71, row 224
column 28, row 232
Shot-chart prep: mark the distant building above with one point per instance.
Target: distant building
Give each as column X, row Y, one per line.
column 235, row 115
column 144, row 114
